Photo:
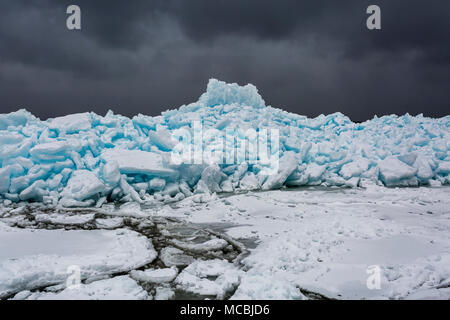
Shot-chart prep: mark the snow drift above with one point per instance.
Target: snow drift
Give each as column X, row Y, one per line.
column 87, row 159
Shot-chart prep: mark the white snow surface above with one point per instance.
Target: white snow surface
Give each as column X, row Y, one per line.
column 194, row 278
column 325, row 240
column 31, row 259
column 85, row 159
column 117, row 288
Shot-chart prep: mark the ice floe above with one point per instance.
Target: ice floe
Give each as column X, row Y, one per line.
column 214, row 278
column 117, row 288
column 32, row 258
column 155, row 275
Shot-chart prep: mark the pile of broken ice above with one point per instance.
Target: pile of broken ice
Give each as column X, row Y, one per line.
column 87, row 159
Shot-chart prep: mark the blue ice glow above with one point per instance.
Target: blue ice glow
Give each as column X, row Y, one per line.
column 86, row 159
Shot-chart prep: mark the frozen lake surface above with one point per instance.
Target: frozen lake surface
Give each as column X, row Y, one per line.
column 283, row 244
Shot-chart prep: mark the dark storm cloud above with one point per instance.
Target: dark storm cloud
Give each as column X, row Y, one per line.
column 415, row 24
column 309, row 57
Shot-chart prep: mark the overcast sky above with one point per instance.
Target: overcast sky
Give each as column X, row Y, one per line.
column 145, row 56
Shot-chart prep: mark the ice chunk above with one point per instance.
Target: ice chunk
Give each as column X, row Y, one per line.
column 288, row 164
column 71, row 123
column 249, row 182
column 210, row 245
column 354, row 168
column 111, row 173
column 210, row 180
column 423, row 166
column 240, row 171
column 138, row 162
column 393, row 171
column 5, row 179
column 109, row 223
column 227, row 185
column 175, row 257
column 157, row 184
column 50, row 151
column 162, row 139
column 314, row 171
column 185, row 189
column 408, row 158
column 171, row 189
column 83, row 185
column 117, row 288
column 220, row 93
column 196, row 278
column 15, row 119
column 62, row 219
column 155, row 275
column 34, row 192
column 128, row 190
column 444, row 167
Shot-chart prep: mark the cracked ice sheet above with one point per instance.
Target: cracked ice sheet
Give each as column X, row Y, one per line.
column 324, row 240
column 32, row 259
column 117, row 288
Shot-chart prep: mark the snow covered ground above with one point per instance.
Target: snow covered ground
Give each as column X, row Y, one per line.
column 302, row 243
column 323, row 241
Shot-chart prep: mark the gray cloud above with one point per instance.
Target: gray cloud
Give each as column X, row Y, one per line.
column 308, row 57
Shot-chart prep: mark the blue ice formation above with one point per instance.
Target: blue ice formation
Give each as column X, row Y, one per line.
column 82, row 160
